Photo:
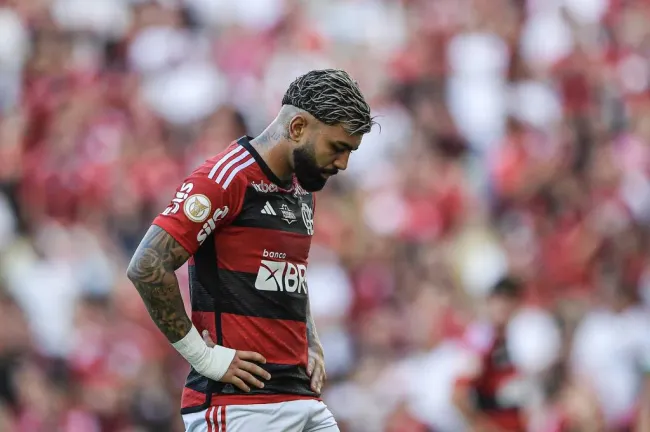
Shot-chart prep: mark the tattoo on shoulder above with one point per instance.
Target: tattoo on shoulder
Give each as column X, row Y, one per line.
column 152, row 272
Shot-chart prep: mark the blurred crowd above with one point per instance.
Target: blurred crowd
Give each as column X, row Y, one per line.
column 514, row 140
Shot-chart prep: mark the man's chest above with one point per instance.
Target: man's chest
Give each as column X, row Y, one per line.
column 277, row 211
column 268, row 242
column 270, row 226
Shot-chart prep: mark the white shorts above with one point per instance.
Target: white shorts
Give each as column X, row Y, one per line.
column 307, row 415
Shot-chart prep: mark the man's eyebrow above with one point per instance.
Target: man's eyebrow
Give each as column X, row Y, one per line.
column 346, row 145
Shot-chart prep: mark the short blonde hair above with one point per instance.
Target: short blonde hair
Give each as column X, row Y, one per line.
column 332, row 97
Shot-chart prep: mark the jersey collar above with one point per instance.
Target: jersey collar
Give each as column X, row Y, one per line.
column 245, row 142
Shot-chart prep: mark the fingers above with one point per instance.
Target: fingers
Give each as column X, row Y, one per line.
column 251, row 356
column 315, row 384
column 254, row 369
column 207, row 339
column 249, row 379
column 317, row 378
column 310, row 367
column 237, row 382
column 243, row 373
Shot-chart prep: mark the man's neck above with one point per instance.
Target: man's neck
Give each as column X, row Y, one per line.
column 271, row 145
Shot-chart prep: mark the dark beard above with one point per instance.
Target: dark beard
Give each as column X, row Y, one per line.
column 308, row 173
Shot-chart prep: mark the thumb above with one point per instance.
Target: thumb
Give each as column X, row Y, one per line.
column 207, row 339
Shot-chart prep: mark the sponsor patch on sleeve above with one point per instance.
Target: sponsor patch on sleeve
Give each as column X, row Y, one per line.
column 197, row 208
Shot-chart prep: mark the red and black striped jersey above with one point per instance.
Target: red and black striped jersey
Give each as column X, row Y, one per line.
column 494, row 378
column 249, row 235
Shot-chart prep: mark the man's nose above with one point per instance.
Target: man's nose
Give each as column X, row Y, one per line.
column 341, row 162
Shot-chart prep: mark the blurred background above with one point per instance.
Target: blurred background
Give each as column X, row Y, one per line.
column 514, row 141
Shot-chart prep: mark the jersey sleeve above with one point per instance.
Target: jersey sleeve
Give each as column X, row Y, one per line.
column 199, row 208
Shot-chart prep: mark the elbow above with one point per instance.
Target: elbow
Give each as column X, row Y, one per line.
column 131, row 273
column 135, row 270
column 142, row 271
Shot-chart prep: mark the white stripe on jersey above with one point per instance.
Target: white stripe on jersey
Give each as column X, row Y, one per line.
column 225, row 169
column 224, row 160
column 210, row 419
column 236, row 170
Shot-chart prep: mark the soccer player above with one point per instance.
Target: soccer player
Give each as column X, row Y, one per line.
column 487, row 393
column 244, row 220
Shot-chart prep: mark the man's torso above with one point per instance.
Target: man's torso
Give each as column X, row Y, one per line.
column 248, row 288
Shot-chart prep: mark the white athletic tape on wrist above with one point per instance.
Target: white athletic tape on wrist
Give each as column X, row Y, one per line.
column 210, row 362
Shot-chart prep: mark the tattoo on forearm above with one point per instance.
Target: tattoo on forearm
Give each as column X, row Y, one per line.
column 152, row 272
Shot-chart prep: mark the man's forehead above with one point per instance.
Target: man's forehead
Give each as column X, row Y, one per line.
column 338, row 135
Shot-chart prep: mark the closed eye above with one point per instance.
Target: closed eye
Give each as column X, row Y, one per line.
column 342, row 147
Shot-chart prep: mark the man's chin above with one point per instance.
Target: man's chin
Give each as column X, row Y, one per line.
column 313, row 185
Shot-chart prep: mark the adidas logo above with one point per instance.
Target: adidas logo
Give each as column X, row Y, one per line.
column 268, row 210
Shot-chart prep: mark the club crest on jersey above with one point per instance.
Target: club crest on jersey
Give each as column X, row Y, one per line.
column 287, row 214
column 308, row 218
column 197, row 208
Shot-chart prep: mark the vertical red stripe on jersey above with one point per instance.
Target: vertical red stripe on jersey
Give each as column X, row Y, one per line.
column 223, row 418
column 204, row 321
column 208, row 420
column 279, row 341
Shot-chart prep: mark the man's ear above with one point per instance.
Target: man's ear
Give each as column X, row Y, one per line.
column 298, row 127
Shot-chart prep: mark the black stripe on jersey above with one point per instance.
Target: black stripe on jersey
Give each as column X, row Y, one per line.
column 285, row 379
column 200, row 297
column 204, row 284
column 251, row 215
column 206, row 278
column 488, row 402
column 237, row 295
column 196, row 381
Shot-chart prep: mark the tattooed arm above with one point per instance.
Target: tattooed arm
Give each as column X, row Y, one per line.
column 152, row 272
